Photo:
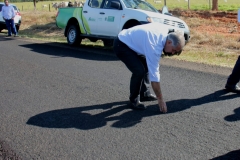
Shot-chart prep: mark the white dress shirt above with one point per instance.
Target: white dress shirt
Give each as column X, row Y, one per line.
column 8, row 12
column 148, row 40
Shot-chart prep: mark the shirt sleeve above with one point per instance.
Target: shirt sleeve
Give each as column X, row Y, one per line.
column 3, row 11
column 13, row 12
column 153, row 59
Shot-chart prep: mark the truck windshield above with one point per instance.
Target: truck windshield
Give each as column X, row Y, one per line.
column 139, row 4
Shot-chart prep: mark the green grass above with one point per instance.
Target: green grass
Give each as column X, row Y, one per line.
column 230, row 5
column 203, row 48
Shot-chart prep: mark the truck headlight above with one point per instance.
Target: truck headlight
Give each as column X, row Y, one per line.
column 154, row 19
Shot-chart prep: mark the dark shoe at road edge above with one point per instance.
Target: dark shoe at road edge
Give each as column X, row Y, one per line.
column 235, row 89
column 136, row 104
column 149, row 97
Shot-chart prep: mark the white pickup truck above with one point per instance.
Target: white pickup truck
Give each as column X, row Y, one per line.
column 104, row 19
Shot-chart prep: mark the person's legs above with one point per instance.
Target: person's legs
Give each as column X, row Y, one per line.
column 14, row 31
column 234, row 78
column 145, row 94
column 133, row 63
column 8, row 25
column 145, row 83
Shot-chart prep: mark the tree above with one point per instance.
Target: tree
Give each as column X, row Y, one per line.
column 34, row 4
column 214, row 5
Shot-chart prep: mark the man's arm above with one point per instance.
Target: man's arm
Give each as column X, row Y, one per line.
column 157, row 90
column 3, row 12
column 13, row 13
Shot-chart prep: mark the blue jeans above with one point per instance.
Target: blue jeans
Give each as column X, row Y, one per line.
column 234, row 78
column 11, row 27
column 139, row 83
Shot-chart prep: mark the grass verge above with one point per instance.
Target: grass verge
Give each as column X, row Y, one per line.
column 212, row 49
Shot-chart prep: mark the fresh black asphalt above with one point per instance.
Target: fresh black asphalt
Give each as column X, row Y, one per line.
column 59, row 102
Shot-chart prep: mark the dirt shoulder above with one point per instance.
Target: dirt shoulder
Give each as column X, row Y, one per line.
column 227, row 21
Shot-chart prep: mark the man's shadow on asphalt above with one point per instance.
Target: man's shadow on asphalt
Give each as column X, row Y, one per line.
column 182, row 104
column 80, row 119
column 233, row 155
column 233, row 117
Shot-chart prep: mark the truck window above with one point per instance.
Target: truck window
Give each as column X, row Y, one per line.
column 107, row 4
column 139, row 4
column 95, row 3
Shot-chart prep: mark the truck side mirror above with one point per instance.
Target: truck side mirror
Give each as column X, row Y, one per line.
column 165, row 11
column 115, row 5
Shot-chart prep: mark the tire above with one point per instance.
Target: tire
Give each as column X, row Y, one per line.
column 73, row 35
column 108, row 43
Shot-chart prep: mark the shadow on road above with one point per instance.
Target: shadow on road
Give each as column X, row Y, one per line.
column 233, row 155
column 80, row 119
column 182, row 104
column 234, row 117
column 59, row 50
column 5, row 38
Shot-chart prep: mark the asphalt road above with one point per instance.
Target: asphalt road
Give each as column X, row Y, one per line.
column 67, row 103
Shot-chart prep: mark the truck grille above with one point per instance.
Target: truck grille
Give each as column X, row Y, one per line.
column 173, row 23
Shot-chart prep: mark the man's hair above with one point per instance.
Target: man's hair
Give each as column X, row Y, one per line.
column 6, row 0
column 176, row 37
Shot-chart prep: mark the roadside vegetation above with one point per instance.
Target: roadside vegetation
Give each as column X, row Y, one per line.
column 205, row 46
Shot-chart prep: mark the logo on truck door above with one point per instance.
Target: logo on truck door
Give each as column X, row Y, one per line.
column 91, row 19
column 109, row 19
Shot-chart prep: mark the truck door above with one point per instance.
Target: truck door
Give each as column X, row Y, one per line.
column 90, row 15
column 110, row 19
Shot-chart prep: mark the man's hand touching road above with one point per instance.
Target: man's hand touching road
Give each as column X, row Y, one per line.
column 162, row 106
column 157, row 89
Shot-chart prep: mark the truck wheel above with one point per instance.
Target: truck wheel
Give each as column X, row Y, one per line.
column 73, row 36
column 108, row 43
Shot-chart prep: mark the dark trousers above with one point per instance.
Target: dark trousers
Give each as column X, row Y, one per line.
column 234, row 78
column 11, row 27
column 139, row 83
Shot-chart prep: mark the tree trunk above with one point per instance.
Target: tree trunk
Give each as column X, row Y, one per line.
column 215, row 5
column 34, row 4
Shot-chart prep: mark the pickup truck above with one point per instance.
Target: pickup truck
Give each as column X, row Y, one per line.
column 104, row 19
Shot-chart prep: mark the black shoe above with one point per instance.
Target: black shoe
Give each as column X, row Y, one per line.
column 149, row 97
column 9, row 36
column 136, row 104
column 15, row 35
column 234, row 88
